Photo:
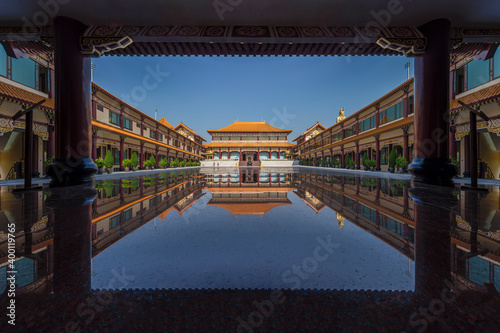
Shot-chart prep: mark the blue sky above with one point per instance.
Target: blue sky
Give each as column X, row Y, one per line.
column 212, row 92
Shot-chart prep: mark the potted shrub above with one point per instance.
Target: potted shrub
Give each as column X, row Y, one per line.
column 372, row 164
column 163, row 163
column 127, row 163
column 175, row 163
column 336, row 163
column 109, row 161
column 364, row 161
column 182, row 163
column 392, row 160
column 352, row 164
column 100, row 163
column 401, row 163
column 135, row 161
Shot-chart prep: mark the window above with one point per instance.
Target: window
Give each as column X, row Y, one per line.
column 160, row 137
column 496, row 65
column 114, row 221
column 127, row 215
column 478, row 72
column 114, row 118
column 3, row 62
column 411, row 105
column 127, row 123
column 367, row 124
column 152, row 134
column 383, row 155
column 100, row 107
column 23, row 71
column 392, row 113
column 151, row 202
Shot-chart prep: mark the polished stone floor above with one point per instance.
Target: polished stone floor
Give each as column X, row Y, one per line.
column 252, row 250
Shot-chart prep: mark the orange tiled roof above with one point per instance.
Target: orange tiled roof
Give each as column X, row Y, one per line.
column 250, row 127
column 138, row 137
column 249, row 208
column 23, row 97
column 477, row 98
column 248, row 144
column 164, row 122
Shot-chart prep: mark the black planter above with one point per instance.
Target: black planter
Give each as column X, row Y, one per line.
column 391, row 170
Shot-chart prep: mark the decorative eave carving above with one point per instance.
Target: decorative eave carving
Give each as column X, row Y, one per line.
column 97, row 46
column 407, row 46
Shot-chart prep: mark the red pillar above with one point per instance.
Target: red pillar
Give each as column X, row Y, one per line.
column 357, row 157
column 453, row 143
column 52, row 84
column 122, row 139
column 51, row 148
column 342, row 158
column 141, row 155
column 406, row 107
column 431, row 164
column 73, row 164
column 406, row 151
column 377, row 153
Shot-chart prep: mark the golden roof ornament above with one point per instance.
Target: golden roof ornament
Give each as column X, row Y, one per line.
column 341, row 115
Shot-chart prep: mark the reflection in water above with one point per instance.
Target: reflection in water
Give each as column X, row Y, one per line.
column 70, row 242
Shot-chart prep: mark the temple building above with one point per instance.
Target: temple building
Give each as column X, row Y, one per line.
column 122, row 129
column 248, row 144
column 376, row 129
column 388, row 122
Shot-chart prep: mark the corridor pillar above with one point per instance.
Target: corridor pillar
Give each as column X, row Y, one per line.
column 72, row 164
column 431, row 164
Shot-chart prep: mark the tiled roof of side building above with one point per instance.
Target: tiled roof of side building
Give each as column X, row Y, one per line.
column 189, row 129
column 23, row 97
column 250, row 127
column 477, row 98
column 164, row 122
column 310, row 128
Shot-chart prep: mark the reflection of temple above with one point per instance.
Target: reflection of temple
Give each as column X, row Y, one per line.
column 248, row 192
column 383, row 208
column 118, row 215
column 122, row 206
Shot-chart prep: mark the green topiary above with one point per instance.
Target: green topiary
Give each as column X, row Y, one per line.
column 135, row 160
column 392, row 158
column 108, row 160
column 152, row 161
